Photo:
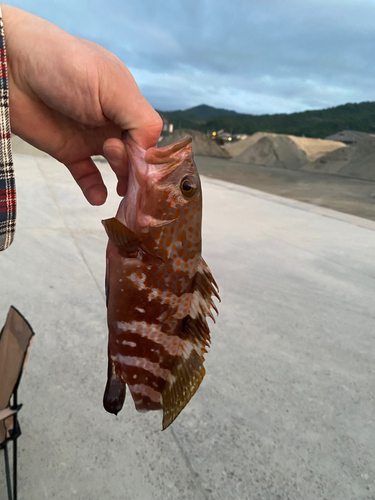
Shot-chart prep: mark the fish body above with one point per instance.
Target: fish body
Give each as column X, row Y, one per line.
column 159, row 289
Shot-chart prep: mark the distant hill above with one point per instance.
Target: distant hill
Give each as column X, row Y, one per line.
column 206, row 112
column 318, row 123
column 198, row 116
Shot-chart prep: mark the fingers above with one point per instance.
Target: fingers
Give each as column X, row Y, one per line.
column 115, row 153
column 89, row 179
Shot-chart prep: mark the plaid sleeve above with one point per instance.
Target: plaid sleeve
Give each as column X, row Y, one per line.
column 7, row 182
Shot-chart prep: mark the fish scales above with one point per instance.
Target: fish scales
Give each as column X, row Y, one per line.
column 159, row 289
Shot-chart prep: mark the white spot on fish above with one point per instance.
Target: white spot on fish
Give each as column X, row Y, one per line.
column 120, row 280
column 138, row 281
column 140, row 309
column 155, row 292
column 129, row 343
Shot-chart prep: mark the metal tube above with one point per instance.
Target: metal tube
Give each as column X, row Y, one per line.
column 15, row 494
column 7, row 471
column 15, row 428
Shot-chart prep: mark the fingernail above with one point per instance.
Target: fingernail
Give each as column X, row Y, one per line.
column 114, row 155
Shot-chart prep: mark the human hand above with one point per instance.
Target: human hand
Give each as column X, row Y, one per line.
column 72, row 98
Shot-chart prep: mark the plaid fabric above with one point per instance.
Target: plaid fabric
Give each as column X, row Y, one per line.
column 7, row 183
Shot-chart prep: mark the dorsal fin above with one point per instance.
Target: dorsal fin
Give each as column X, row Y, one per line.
column 124, row 238
column 194, row 334
column 186, row 377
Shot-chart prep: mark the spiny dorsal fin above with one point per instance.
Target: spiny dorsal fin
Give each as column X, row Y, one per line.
column 194, row 334
column 124, row 238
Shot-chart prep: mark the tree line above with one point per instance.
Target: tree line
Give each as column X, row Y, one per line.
column 317, row 123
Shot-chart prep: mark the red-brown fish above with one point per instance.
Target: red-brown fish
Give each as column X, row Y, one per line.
column 159, row 289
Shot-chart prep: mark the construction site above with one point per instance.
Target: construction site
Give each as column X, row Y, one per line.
column 337, row 173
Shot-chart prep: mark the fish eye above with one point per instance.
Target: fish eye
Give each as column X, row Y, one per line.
column 188, row 187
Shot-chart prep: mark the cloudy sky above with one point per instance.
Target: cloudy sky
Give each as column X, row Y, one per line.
column 264, row 56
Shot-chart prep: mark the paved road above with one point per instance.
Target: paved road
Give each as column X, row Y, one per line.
column 286, row 410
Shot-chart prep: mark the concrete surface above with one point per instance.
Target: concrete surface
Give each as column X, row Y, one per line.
column 286, row 410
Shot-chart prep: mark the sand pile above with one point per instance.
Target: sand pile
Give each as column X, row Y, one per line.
column 278, row 150
column 357, row 161
column 361, row 164
column 330, row 163
column 316, row 148
column 202, row 144
column 236, row 148
column 274, row 150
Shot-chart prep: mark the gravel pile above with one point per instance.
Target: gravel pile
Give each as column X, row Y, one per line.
column 278, row 150
column 356, row 161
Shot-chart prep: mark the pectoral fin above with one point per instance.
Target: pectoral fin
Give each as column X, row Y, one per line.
column 124, row 238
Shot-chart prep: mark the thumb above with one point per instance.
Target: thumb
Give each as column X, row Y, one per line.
column 123, row 103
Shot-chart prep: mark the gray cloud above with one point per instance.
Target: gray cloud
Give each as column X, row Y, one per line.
column 257, row 57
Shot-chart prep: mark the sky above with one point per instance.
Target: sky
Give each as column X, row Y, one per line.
column 264, row 56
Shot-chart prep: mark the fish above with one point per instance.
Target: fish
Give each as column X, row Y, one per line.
column 159, row 289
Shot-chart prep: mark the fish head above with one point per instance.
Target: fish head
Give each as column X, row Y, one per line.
column 164, row 200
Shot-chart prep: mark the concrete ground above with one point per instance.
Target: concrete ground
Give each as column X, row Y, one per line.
column 287, row 408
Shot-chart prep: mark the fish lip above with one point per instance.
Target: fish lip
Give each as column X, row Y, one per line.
column 136, row 158
column 161, row 156
column 165, row 160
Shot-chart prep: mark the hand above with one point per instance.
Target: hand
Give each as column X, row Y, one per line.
column 72, row 98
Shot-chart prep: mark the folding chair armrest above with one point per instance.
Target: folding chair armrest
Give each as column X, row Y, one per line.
column 7, row 413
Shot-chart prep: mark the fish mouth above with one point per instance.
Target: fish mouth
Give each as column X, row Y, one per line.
column 167, row 154
column 165, row 160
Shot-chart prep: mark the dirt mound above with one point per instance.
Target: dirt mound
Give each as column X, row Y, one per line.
column 202, row 144
column 330, row 163
column 283, row 151
column 357, row 161
column 361, row 164
column 236, row 148
column 274, row 150
column 316, row 148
